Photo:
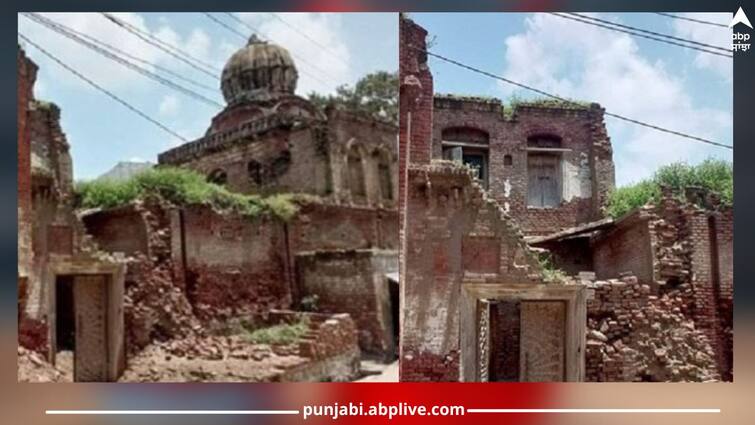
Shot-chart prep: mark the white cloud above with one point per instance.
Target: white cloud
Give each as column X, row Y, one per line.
column 584, row 62
column 99, row 68
column 169, row 105
column 708, row 34
column 319, row 69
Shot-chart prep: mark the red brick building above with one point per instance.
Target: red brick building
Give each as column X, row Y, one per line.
column 332, row 256
column 473, row 173
column 63, row 280
column 549, row 164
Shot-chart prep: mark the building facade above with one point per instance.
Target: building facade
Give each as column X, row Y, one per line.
column 549, row 164
column 270, row 140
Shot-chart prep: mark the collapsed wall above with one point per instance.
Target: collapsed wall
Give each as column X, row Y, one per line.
column 327, row 281
column 326, row 350
column 193, row 268
column 455, row 235
column 635, row 336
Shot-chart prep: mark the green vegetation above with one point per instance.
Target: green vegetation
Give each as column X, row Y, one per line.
column 279, row 334
column 375, row 94
column 309, row 303
column 712, row 174
column 551, row 274
column 182, row 187
column 545, row 102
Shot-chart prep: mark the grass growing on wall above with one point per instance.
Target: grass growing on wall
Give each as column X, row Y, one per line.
column 714, row 175
column 182, row 187
column 279, row 334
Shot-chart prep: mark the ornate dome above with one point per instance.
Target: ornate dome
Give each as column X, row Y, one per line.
column 259, row 71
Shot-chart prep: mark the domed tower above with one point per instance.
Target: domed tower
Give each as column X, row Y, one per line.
column 259, row 81
column 260, row 71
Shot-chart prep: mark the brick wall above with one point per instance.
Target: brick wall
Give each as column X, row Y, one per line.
column 353, row 282
column 119, row 230
column 26, row 75
column 636, row 336
column 625, row 248
column 415, row 109
column 270, row 149
column 586, row 166
column 447, row 212
column 291, row 161
column 321, row 226
column 331, row 344
column 233, row 264
column 375, row 143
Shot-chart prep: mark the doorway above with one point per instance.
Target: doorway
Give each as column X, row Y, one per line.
column 526, row 341
column 393, row 289
column 81, row 327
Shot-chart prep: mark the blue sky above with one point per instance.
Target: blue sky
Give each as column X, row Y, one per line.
column 670, row 86
column 102, row 132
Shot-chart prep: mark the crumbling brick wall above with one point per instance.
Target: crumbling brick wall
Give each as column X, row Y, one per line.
column 586, row 167
column 331, row 344
column 155, row 307
column 692, row 235
column 119, row 230
column 415, row 110
column 326, row 226
column 353, row 282
column 374, row 143
column 452, row 229
column 26, row 75
column 232, row 264
column 625, row 247
column 634, row 335
column 288, row 160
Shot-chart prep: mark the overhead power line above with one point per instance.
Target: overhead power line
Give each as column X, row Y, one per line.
column 305, row 35
column 128, row 55
column 699, row 21
column 562, row 99
column 264, row 37
column 684, row 40
column 165, row 47
column 102, row 89
column 585, row 20
column 52, row 25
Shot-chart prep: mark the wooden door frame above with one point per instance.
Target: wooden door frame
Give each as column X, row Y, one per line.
column 115, row 273
column 574, row 296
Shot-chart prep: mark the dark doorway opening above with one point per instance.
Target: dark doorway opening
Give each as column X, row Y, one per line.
column 65, row 326
column 393, row 290
column 505, row 327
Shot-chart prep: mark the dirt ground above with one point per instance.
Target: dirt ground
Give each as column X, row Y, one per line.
column 207, row 359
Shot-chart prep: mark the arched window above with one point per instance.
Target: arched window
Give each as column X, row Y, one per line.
column 218, row 176
column 544, row 141
column 465, row 135
column 280, row 164
column 384, row 175
column 356, row 175
column 254, row 171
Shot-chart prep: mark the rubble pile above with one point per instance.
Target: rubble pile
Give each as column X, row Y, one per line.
column 32, row 367
column 155, row 309
column 223, row 348
column 635, row 336
column 673, row 253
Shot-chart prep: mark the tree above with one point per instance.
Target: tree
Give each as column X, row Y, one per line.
column 712, row 174
column 375, row 94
